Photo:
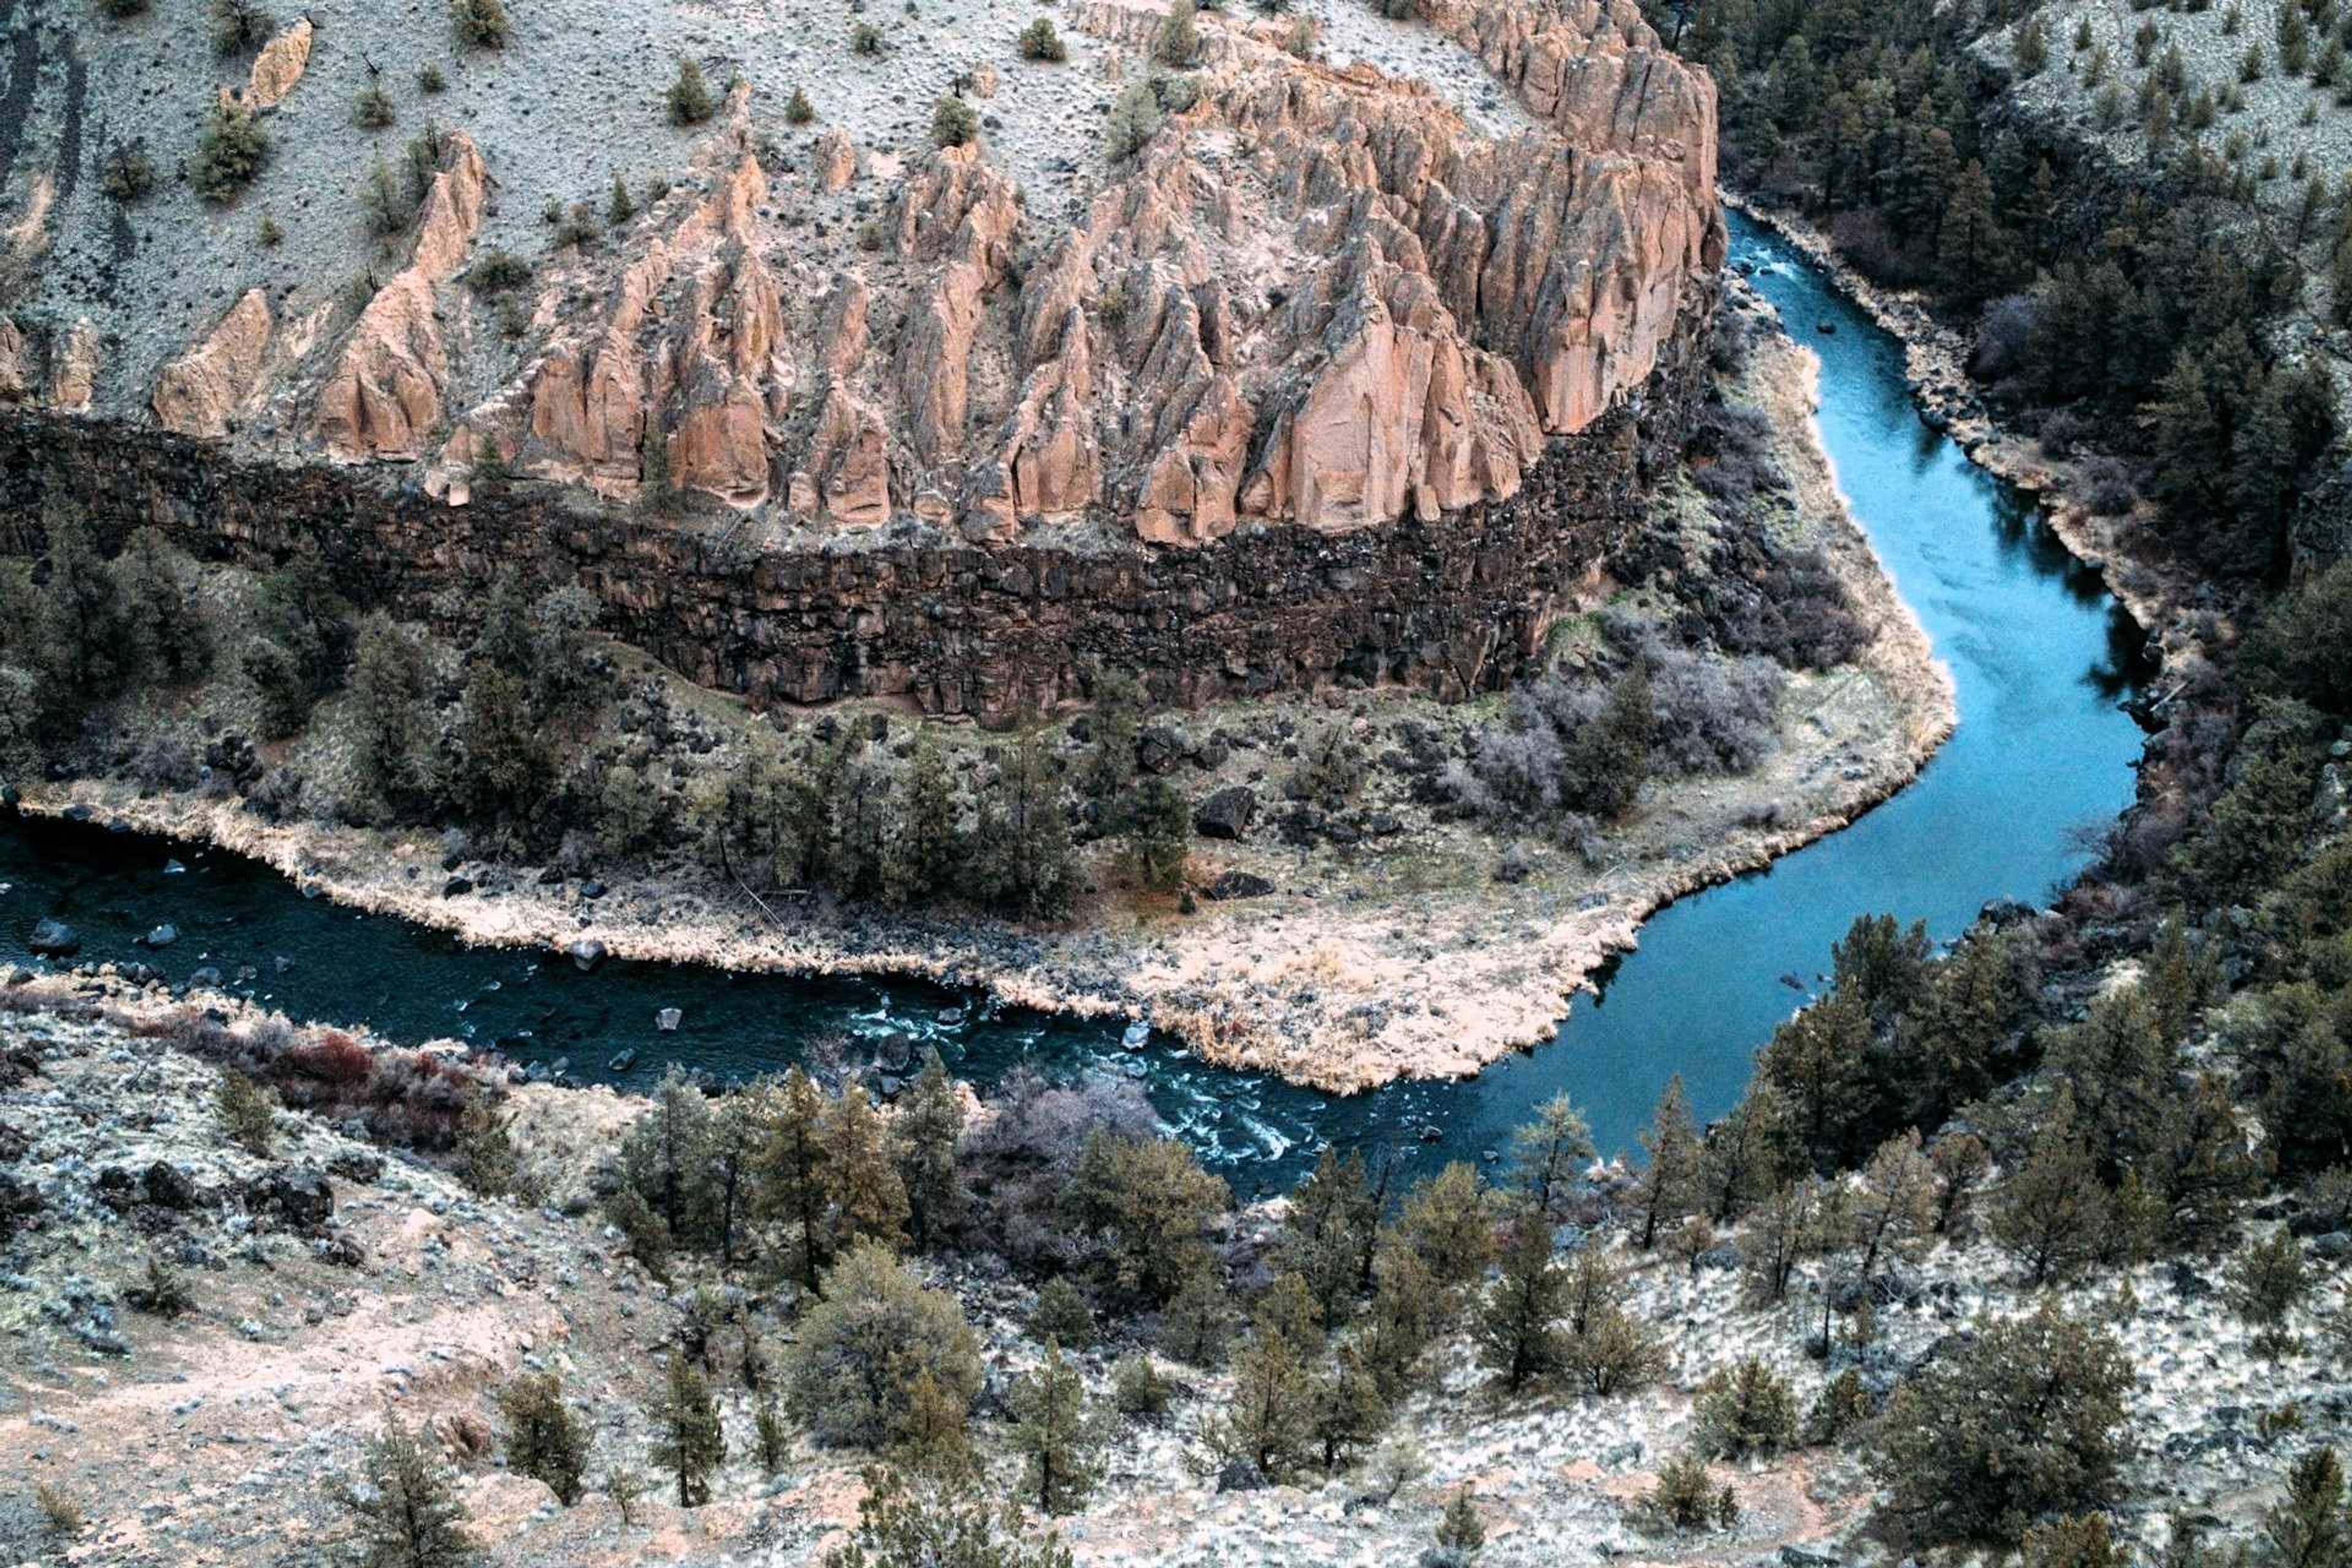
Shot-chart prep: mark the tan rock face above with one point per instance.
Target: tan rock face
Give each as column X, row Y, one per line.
column 17, row 377
column 383, row 398
column 74, row 369
column 279, row 66
column 1318, row 298
column 199, row 392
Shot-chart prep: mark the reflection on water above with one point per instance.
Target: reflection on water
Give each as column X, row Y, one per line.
column 2038, row 654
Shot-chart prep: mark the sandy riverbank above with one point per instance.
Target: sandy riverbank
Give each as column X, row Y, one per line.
column 1362, row 966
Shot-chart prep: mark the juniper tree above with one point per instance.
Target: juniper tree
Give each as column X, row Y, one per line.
column 1178, row 38
column 1053, row 1433
column 405, row 1508
column 1268, row 1419
column 544, row 1439
column 2025, row 1420
column 1745, row 1155
column 1062, row 1316
column 1448, row 1220
column 689, row 1441
column 954, row 123
column 948, row 1526
column 924, row 1134
column 245, row 1109
column 868, row 1199
column 1518, row 1329
column 924, row 853
column 2268, row 1281
column 794, row 1182
column 2311, row 1526
column 1149, row 1204
column 1546, row 1155
column 1460, row 1532
column 1746, row 1410
column 1039, row 41
column 88, row 640
column 1198, row 1320
column 1667, row 1181
column 230, row 152
column 2051, row 1210
column 847, row 1378
column 172, row 638
column 733, row 1151
column 1332, row 1223
column 392, row 713
column 1157, row 824
column 690, row 100
column 483, row 24
column 1347, row 1409
column 934, row 1439
column 666, row 1156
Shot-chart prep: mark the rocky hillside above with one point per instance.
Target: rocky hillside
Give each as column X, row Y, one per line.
column 1303, row 292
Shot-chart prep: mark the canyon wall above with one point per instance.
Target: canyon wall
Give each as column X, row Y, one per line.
column 1455, row 606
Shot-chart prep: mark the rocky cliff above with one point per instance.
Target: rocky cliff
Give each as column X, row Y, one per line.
column 1318, row 304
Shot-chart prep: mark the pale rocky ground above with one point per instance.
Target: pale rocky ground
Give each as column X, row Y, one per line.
column 208, row 1440
column 1388, row 944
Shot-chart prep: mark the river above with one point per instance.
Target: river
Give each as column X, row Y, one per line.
column 2041, row 654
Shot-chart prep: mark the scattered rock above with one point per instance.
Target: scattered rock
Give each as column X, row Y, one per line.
column 1239, row 885
column 52, row 938
column 1226, row 814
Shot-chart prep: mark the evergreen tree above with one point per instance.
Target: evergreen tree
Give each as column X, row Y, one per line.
column 868, row 1198
column 794, row 1182
column 1546, row 1155
column 2025, row 1420
column 1460, row 1534
column 504, row 769
column 1052, row 1431
column 1023, row 862
column 2052, row 1209
column 1744, row 1411
column 1518, row 1330
column 544, row 1439
column 2268, row 1281
column 392, row 716
column 1268, row 1420
column 1408, row 1309
column 174, row 640
column 850, row 1374
column 1158, row 824
column 88, row 637
column 1745, row 1154
column 1818, row 1060
column 934, row 1439
column 949, row 1527
column 687, row 1439
column 1324, row 1237
column 739, row 1133
column 924, row 853
column 1448, row 1221
column 1349, row 1410
column 666, row 1156
column 1149, row 1205
column 925, row 1132
column 2311, row 1526
column 1667, row 1181
column 407, row 1510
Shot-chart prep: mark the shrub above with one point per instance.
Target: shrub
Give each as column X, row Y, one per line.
column 240, row 25
column 269, row 233
column 1179, row 39
column 1460, row 1532
column 123, row 10
column 128, row 175
column 954, row 123
column 372, row 110
column 865, row 38
column 1039, row 41
column 848, row 1375
column 2024, row 1421
column 1062, row 1314
column 1299, row 42
column 497, row 271
column 1134, row 121
column 229, row 153
column 430, row 79
column 245, row 1109
column 162, row 1290
column 481, row 23
column 690, row 101
column 544, row 1439
column 1685, row 1497
column 1746, row 1410
column 61, row 1516
column 798, row 108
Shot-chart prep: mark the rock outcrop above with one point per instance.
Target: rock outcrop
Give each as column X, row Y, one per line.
column 384, row 397
column 279, row 66
column 200, row 393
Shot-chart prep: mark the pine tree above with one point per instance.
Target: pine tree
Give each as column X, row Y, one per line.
column 1818, row 1060
column 1051, row 1430
column 665, row 1157
column 392, row 712
column 924, row 853
column 794, row 1182
column 1746, row 1154
column 870, row 1200
column 1460, row 1532
column 1894, row 1203
column 1546, row 1155
column 1746, row 1410
column 1517, row 1329
column 1668, row 1180
column 934, row 1437
column 544, row 1439
column 687, row 1439
column 925, row 1131
column 949, row 1527
column 407, row 1511
column 1198, row 1319
column 690, row 101
column 2268, row 1281
column 88, row 639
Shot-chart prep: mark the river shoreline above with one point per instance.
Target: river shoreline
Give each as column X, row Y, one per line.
column 2156, row 594
column 1334, row 993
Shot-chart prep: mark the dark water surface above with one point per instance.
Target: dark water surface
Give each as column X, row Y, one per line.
column 2042, row 656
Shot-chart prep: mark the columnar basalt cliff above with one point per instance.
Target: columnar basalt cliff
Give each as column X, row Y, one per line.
column 1321, row 381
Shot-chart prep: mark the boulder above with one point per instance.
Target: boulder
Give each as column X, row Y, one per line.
column 1226, row 814
column 667, row 1020
column 170, row 1187
column 586, row 954
column 52, row 938
column 163, row 935
column 1240, row 885
column 297, row 1195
